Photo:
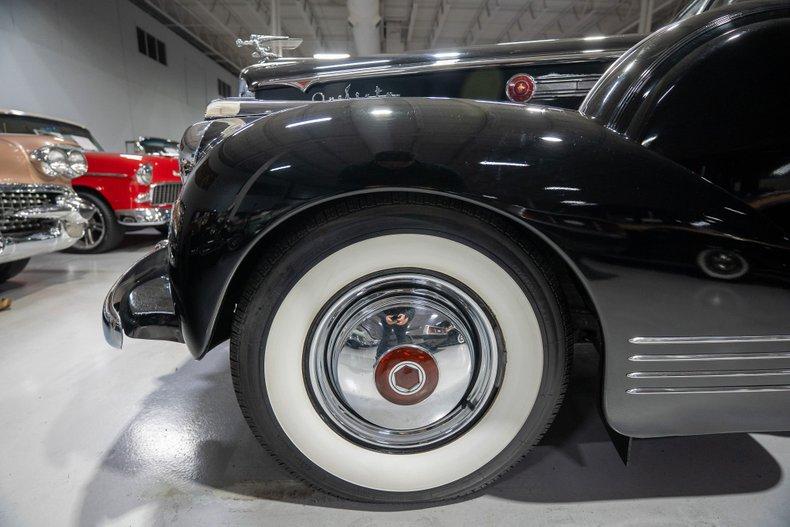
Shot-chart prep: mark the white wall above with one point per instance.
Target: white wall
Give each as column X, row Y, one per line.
column 78, row 60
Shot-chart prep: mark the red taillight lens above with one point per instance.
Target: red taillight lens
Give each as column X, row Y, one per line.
column 520, row 88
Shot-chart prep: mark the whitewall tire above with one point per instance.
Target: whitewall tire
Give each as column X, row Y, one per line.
column 499, row 361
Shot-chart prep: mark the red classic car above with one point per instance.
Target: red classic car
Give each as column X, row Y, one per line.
column 130, row 191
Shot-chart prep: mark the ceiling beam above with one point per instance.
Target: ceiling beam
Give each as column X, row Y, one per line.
column 307, row 13
column 412, row 20
column 165, row 13
column 442, row 12
column 635, row 24
column 515, row 22
column 487, row 11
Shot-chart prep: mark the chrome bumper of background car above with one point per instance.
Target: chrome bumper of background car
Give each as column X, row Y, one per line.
column 144, row 217
column 140, row 304
column 70, row 214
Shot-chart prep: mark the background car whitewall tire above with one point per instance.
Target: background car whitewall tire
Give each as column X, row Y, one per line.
column 376, row 236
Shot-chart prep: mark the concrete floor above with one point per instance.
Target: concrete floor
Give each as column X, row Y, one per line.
column 146, row 436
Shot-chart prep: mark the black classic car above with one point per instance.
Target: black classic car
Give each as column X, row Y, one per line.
column 402, row 279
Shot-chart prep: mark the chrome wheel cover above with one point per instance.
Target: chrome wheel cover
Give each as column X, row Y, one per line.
column 94, row 232
column 403, row 362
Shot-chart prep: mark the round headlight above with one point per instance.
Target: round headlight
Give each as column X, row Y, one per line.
column 57, row 160
column 77, row 163
column 144, row 174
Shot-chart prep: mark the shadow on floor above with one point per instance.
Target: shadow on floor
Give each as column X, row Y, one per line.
column 190, row 430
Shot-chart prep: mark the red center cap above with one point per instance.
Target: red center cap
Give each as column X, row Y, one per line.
column 406, row 375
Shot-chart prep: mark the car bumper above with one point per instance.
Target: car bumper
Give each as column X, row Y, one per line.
column 140, row 304
column 70, row 215
column 144, row 217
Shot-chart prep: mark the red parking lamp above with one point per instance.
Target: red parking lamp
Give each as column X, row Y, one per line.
column 520, row 87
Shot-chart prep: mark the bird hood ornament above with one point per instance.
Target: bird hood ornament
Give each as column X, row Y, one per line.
column 269, row 47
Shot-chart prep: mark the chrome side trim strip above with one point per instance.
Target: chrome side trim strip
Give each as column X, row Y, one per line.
column 710, row 356
column 107, row 174
column 719, row 389
column 709, row 340
column 704, row 374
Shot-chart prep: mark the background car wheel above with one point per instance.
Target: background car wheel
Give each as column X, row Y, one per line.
column 340, row 375
column 11, row 269
column 103, row 233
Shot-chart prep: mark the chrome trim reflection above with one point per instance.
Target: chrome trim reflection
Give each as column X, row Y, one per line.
column 705, row 374
column 710, row 340
column 710, row 356
column 704, row 390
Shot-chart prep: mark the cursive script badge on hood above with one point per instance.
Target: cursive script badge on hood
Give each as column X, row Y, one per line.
column 377, row 92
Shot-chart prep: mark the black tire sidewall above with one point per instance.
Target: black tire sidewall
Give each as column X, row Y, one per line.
column 113, row 232
column 278, row 275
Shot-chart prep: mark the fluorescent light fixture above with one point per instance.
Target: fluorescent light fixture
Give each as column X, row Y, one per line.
column 569, row 189
column 380, row 111
column 551, row 139
column 331, row 56
column 577, row 203
column 503, row 164
column 350, row 64
column 309, row 121
column 281, row 167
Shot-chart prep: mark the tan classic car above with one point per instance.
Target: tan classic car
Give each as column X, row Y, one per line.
column 39, row 211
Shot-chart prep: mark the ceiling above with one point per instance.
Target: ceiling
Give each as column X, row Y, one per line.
column 405, row 25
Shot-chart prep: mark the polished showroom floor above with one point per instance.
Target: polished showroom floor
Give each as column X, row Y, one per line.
column 90, row 435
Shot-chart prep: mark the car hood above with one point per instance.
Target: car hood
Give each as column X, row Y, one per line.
column 304, row 72
column 16, row 166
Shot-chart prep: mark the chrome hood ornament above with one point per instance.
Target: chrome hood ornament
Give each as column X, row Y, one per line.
column 269, row 47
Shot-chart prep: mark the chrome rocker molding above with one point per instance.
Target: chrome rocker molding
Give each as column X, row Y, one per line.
column 713, row 389
column 704, row 374
column 710, row 356
column 144, row 217
column 709, row 340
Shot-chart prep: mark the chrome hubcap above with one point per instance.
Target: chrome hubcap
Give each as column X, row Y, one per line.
column 403, row 361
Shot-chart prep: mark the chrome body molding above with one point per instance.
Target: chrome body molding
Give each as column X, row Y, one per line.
column 559, row 85
column 144, row 216
column 710, row 356
column 709, row 390
column 704, row 374
column 710, row 340
column 106, row 174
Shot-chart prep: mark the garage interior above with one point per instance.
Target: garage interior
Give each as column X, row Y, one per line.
column 94, row 436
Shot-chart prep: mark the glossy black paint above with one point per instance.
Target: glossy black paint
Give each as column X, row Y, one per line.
column 660, row 250
column 724, row 136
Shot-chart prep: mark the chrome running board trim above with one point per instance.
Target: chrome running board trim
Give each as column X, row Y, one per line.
column 704, row 374
column 720, row 389
column 709, row 340
column 710, row 356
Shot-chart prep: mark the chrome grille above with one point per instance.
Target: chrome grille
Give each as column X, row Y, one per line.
column 164, row 193
column 14, row 198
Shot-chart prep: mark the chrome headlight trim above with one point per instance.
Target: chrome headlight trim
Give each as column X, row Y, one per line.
column 144, row 174
column 54, row 161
